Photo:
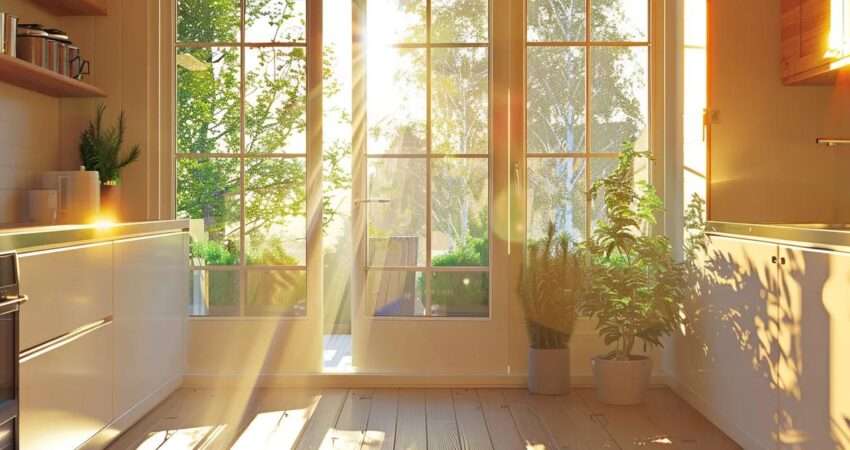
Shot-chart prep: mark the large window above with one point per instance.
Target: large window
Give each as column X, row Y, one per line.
column 427, row 155
column 241, row 153
column 587, row 91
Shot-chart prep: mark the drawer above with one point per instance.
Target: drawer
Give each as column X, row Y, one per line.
column 67, row 289
column 66, row 393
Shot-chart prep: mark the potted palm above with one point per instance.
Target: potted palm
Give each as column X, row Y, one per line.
column 550, row 286
column 636, row 289
column 100, row 150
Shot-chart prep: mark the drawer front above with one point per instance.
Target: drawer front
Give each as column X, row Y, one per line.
column 68, row 288
column 66, row 393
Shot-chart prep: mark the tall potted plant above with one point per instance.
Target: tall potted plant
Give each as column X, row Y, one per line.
column 550, row 286
column 636, row 289
column 100, row 150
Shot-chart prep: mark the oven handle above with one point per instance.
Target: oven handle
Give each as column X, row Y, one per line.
column 9, row 301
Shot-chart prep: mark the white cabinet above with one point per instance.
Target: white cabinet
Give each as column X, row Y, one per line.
column 813, row 366
column 84, row 386
column 151, row 284
column 767, row 353
column 67, row 289
column 737, row 327
column 66, row 393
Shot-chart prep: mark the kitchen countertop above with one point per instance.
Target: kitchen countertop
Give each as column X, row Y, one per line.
column 32, row 238
column 812, row 235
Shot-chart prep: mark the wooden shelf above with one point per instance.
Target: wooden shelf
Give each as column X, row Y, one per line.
column 73, row 7
column 29, row 76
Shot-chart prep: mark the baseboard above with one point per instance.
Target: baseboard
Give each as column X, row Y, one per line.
column 122, row 423
column 375, row 380
column 729, row 427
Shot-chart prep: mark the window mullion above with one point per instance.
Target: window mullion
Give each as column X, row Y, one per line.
column 428, row 141
column 243, row 282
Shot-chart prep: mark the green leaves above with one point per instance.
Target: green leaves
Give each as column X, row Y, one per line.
column 100, row 149
column 636, row 289
column 551, row 285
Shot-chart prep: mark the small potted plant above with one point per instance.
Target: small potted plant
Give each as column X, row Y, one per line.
column 100, row 150
column 550, row 286
column 636, row 289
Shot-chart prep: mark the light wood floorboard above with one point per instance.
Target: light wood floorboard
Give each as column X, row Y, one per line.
column 418, row 419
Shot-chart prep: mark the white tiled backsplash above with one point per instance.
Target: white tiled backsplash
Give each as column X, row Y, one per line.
column 29, row 144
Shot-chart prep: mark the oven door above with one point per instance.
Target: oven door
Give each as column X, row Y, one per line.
column 9, row 309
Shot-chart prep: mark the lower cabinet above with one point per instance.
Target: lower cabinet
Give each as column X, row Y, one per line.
column 84, row 386
column 66, row 393
column 813, row 365
column 151, row 277
column 767, row 356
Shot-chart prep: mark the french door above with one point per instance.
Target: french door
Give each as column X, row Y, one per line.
column 474, row 124
column 423, row 192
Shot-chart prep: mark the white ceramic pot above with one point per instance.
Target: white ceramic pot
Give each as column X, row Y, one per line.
column 549, row 371
column 622, row 382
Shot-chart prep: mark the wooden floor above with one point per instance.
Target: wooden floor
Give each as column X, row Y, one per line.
column 406, row 419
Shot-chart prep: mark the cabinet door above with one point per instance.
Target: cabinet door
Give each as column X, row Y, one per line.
column 735, row 322
column 814, row 33
column 66, row 393
column 814, row 363
column 151, row 298
column 68, row 288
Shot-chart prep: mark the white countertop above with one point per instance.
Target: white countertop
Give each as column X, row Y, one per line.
column 26, row 238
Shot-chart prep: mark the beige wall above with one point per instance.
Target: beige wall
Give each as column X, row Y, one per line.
column 765, row 164
column 41, row 133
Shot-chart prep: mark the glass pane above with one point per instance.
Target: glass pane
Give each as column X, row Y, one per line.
column 460, row 294
column 208, row 194
column 276, row 100
column 395, row 21
column 619, row 20
column 396, row 212
column 459, row 221
column 208, row 111
column 556, row 100
column 208, row 21
column 275, row 20
column 396, row 106
column 620, row 99
column 562, row 20
column 600, row 168
column 459, row 21
column 276, row 293
column 214, row 293
column 557, row 193
column 459, row 100
column 396, row 292
column 275, row 211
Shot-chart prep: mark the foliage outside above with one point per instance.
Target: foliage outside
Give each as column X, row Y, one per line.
column 551, row 285
column 637, row 289
column 100, row 150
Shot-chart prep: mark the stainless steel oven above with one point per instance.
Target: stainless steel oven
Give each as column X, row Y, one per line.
column 10, row 303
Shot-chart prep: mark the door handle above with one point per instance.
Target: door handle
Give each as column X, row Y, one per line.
column 360, row 201
column 9, row 301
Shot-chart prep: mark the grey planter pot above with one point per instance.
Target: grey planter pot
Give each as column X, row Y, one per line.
column 549, row 371
column 622, row 382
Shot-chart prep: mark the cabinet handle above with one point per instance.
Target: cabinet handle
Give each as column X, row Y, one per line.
column 773, row 260
column 782, row 260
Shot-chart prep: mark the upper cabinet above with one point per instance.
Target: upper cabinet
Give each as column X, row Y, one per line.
column 814, row 40
column 74, row 7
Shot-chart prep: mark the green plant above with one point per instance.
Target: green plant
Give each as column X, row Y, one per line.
column 636, row 289
column 100, row 149
column 213, row 253
column 551, row 284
